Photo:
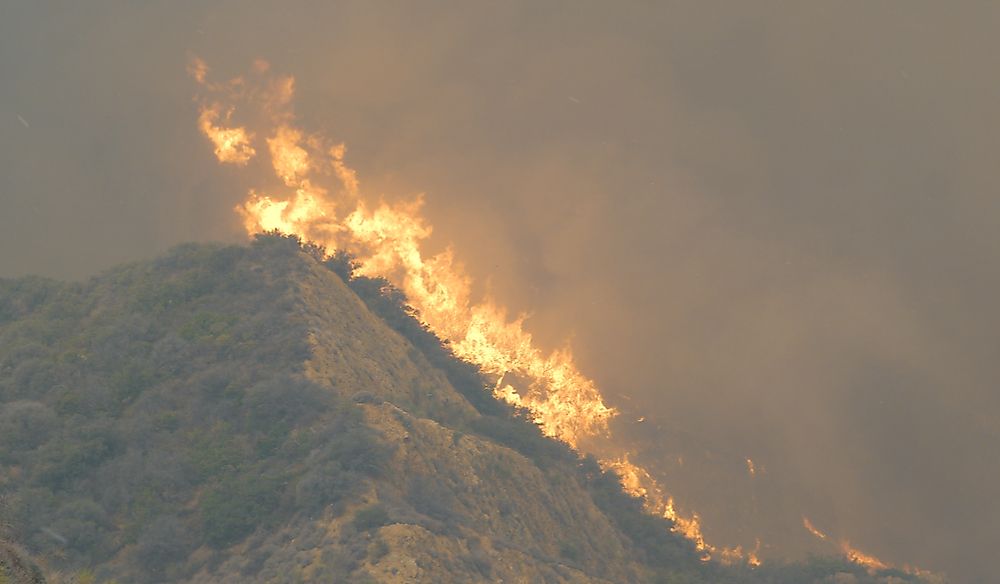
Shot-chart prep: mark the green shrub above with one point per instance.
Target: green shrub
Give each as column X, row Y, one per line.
column 77, row 452
column 520, row 434
column 235, row 507
column 165, row 540
column 24, row 425
column 214, row 451
column 371, row 517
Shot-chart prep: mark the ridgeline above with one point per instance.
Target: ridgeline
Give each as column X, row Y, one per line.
column 233, row 414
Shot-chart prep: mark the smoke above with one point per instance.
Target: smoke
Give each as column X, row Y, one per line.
column 768, row 230
column 387, row 242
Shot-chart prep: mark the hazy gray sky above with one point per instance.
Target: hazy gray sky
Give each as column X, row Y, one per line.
column 774, row 228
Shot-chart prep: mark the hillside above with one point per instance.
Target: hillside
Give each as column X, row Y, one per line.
column 255, row 414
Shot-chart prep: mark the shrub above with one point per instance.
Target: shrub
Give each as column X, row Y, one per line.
column 285, row 400
column 214, row 451
column 83, row 525
column 76, row 452
column 326, row 484
column 235, row 507
column 523, row 436
column 371, row 517
column 24, row 425
column 432, row 498
column 165, row 540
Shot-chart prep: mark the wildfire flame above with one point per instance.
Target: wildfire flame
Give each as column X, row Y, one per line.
column 858, row 557
column 812, row 528
column 638, row 482
column 386, row 240
column 855, row 555
column 232, row 144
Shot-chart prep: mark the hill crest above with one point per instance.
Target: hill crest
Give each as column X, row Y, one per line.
column 254, row 414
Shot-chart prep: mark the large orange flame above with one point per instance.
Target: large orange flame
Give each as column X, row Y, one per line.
column 231, row 144
column 323, row 205
column 387, row 240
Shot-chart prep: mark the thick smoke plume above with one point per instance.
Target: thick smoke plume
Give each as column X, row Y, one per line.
column 769, row 230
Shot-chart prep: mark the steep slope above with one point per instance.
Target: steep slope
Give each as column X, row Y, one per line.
column 467, row 487
column 157, row 416
column 253, row 414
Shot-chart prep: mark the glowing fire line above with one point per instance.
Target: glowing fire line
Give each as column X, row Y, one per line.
column 386, row 240
column 855, row 555
column 638, row 482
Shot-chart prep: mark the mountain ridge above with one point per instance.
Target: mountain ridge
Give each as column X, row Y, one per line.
column 257, row 414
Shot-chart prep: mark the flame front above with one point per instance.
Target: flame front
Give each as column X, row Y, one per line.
column 638, row 482
column 322, row 204
column 859, row 557
column 812, row 529
column 855, row 555
column 387, row 240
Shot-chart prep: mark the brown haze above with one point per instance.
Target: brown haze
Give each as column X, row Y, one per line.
column 772, row 231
